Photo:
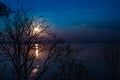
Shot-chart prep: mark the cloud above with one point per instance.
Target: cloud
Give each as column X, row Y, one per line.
column 92, row 33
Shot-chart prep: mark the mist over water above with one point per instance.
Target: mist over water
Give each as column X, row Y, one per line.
column 92, row 57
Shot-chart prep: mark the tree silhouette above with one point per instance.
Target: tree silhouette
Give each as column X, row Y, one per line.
column 18, row 40
column 4, row 10
column 112, row 54
column 70, row 68
column 18, row 46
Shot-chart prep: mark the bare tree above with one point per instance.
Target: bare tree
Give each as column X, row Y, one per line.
column 20, row 39
column 112, row 56
column 55, row 50
column 71, row 71
column 70, row 67
column 17, row 41
column 4, row 10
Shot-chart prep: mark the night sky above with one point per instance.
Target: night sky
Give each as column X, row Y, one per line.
column 78, row 20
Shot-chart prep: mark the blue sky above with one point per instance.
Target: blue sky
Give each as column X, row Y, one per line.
column 67, row 12
column 74, row 17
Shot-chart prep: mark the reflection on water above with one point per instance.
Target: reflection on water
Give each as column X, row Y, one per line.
column 35, row 70
column 37, row 66
column 36, row 50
